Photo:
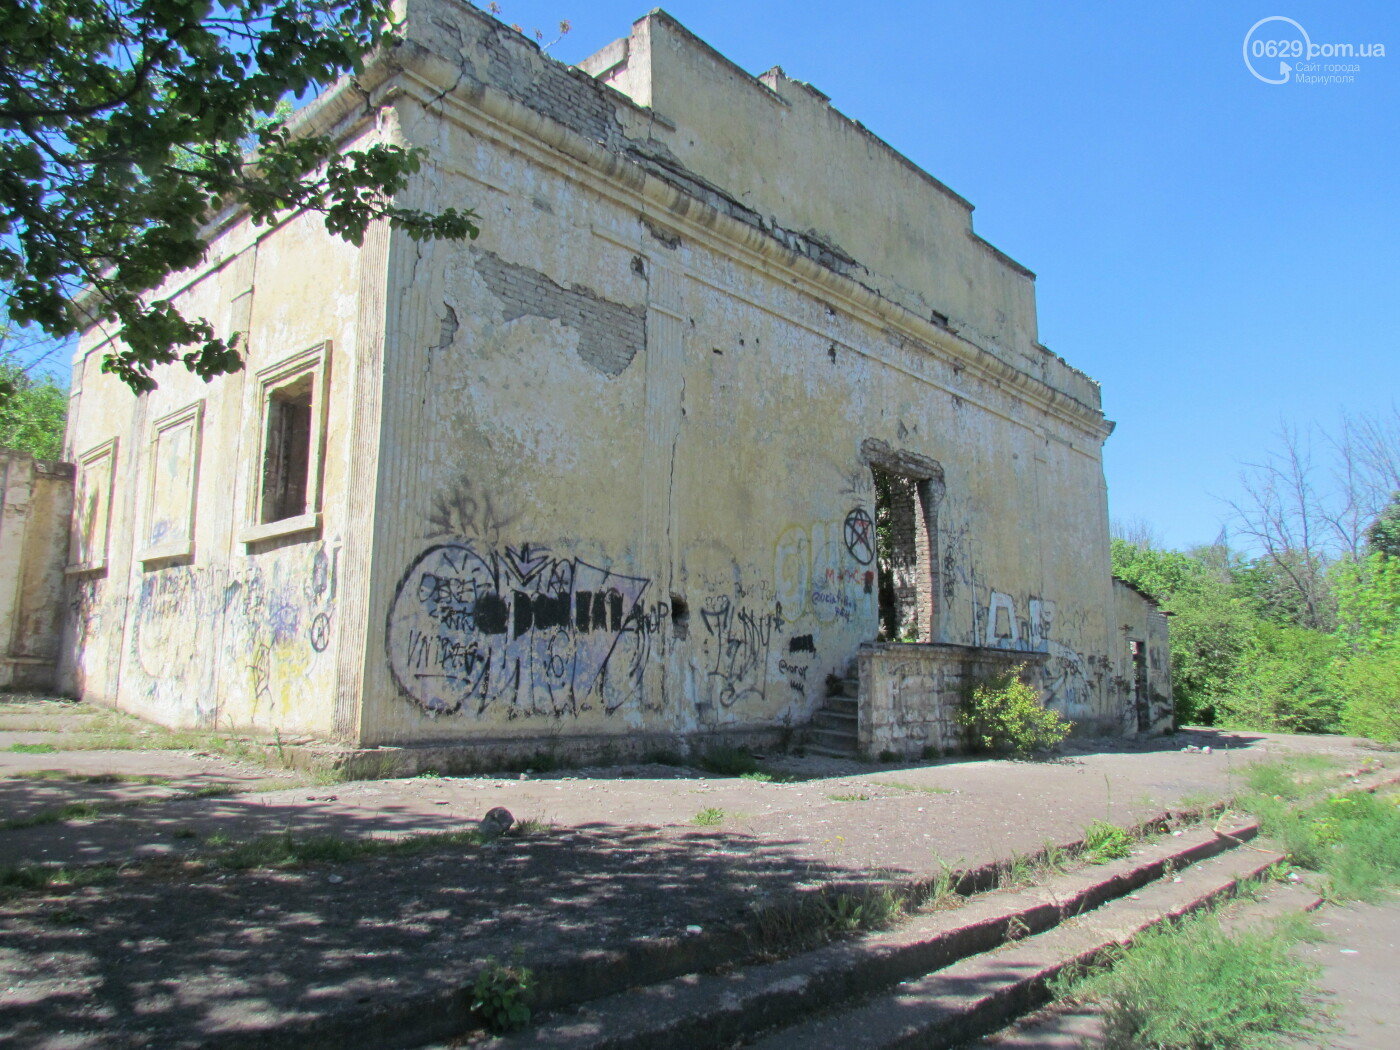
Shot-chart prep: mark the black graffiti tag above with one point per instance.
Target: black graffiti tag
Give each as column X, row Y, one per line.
column 860, row 536
column 519, row 627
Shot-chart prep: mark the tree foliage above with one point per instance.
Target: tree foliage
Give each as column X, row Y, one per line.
column 1245, row 651
column 1383, row 534
column 124, row 125
column 32, row 417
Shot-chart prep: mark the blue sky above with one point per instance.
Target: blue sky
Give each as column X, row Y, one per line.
column 1220, row 253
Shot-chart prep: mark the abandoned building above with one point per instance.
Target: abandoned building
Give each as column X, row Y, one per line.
column 692, row 438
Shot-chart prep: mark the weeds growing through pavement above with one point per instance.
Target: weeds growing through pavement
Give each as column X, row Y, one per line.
column 763, row 776
column 289, row 851
column 852, row 912
column 943, row 891
column 501, row 996
column 35, row 878
column 923, row 789
column 71, row 811
column 1352, row 839
column 1192, row 986
column 1104, row 841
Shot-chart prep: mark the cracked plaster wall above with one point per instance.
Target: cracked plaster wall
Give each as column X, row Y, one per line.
column 605, row 479
column 625, row 408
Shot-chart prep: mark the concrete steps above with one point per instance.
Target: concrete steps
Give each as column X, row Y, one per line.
column 938, row 979
column 978, row 994
column 834, row 729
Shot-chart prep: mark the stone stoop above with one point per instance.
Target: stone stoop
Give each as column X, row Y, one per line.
column 834, row 729
column 938, row 979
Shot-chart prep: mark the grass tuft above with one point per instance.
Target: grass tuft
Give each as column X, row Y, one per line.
column 37, row 878
column 71, row 811
column 1104, row 842
column 1353, row 840
column 288, row 851
column 1192, row 986
column 709, row 818
column 32, row 749
column 922, row 789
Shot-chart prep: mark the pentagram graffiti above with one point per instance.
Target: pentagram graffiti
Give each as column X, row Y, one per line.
column 860, row 536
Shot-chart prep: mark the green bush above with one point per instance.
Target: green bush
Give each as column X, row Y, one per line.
column 1104, row 841
column 1004, row 713
column 1285, row 683
column 1368, row 685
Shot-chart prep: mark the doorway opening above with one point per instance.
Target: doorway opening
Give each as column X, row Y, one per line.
column 904, row 546
column 1144, row 715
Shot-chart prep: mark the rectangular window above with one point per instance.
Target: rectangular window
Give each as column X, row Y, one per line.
column 288, row 458
column 92, row 508
column 174, row 478
column 286, row 489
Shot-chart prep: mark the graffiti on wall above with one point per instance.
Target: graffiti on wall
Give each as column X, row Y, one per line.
column 269, row 617
column 465, row 510
column 859, row 535
column 519, row 630
column 1071, row 681
column 827, row 570
column 1002, row 630
column 735, row 649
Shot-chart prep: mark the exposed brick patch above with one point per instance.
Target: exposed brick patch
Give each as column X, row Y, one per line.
column 609, row 334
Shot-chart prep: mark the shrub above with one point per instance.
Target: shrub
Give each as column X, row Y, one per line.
column 728, row 761
column 1004, row 713
column 1285, row 683
column 1369, row 687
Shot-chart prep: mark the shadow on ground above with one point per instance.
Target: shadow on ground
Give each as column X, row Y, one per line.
column 218, row 958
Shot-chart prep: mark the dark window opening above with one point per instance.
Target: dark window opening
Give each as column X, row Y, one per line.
column 680, row 616
column 904, row 557
column 287, row 459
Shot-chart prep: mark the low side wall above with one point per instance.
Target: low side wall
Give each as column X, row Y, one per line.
column 909, row 693
column 1145, row 676
column 36, row 501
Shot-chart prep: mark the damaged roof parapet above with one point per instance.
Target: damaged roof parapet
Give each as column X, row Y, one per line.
column 914, row 247
column 907, row 271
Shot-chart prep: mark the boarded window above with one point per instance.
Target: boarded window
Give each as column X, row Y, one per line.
column 174, row 475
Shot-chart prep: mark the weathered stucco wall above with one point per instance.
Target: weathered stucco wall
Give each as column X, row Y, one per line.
column 910, row 693
column 603, row 476
column 181, row 606
column 36, row 499
column 778, row 148
column 624, row 390
column 1143, row 682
